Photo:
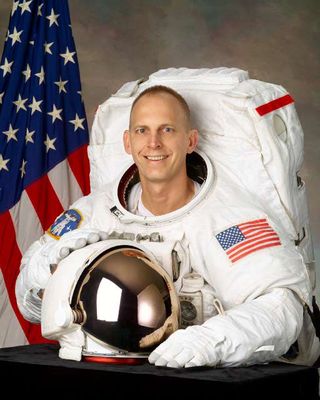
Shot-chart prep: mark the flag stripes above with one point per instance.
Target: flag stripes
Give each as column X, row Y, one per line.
column 10, row 257
column 45, row 201
column 246, row 238
column 79, row 164
column 13, row 333
column 24, row 215
column 59, row 177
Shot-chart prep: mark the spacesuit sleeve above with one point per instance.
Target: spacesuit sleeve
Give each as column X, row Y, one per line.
column 258, row 331
column 35, row 264
column 264, row 295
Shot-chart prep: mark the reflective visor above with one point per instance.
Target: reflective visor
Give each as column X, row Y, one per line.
column 122, row 299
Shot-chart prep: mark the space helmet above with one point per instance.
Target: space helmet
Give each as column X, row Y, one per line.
column 117, row 299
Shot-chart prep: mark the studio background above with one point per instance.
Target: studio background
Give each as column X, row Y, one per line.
column 274, row 40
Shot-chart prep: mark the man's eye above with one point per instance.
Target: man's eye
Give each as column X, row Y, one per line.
column 168, row 129
column 140, row 130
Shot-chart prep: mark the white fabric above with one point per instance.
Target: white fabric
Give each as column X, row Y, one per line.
column 136, row 206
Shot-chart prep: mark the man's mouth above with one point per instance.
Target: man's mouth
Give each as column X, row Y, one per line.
column 155, row 158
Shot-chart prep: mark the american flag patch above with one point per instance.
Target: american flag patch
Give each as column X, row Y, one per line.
column 243, row 239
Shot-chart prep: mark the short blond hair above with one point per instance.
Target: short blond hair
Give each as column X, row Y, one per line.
column 164, row 89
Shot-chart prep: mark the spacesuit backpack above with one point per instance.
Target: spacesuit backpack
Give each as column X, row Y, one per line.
column 249, row 129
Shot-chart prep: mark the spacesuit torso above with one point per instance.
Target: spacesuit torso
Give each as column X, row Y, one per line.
column 239, row 251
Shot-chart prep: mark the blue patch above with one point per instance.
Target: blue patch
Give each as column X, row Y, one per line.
column 66, row 222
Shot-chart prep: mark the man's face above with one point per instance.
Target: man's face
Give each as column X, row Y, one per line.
column 160, row 138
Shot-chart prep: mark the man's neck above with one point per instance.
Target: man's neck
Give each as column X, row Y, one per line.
column 163, row 198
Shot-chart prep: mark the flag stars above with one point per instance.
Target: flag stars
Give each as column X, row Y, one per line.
column 55, row 113
column 61, row 85
column 27, row 72
column 40, row 10
column 40, row 75
column 68, row 56
column 47, row 47
column 6, row 67
column 25, row 6
column 49, row 143
column 3, row 163
column 1, row 97
column 53, row 18
column 20, row 103
column 29, row 136
column 15, row 36
column 11, row 134
column 77, row 122
column 35, row 105
column 23, row 168
column 14, row 7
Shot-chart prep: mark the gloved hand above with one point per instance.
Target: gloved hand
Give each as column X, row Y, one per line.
column 70, row 242
column 87, row 237
column 194, row 346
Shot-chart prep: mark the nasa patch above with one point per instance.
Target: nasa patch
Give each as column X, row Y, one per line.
column 66, row 222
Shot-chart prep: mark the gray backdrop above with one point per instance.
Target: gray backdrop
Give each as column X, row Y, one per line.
column 274, row 40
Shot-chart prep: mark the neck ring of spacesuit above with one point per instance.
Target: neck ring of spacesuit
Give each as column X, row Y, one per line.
column 199, row 168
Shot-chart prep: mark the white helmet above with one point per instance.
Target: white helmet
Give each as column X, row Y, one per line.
column 110, row 300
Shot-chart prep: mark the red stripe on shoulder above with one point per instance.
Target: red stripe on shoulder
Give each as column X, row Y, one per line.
column 274, row 105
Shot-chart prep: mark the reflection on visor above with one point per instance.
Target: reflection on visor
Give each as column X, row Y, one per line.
column 122, row 298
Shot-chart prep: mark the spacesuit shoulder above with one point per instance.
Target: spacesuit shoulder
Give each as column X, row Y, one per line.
column 243, row 252
column 78, row 215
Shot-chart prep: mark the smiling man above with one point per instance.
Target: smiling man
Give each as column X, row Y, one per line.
column 159, row 138
column 248, row 298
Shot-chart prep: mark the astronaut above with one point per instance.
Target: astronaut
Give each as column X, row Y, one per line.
column 171, row 200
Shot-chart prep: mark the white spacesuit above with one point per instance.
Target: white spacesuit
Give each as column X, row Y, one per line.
column 263, row 285
column 239, row 245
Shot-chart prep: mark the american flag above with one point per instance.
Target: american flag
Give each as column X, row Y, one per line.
column 244, row 239
column 43, row 142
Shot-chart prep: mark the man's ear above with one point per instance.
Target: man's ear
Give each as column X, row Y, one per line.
column 126, row 141
column 193, row 140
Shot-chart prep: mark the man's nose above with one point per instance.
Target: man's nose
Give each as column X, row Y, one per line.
column 154, row 140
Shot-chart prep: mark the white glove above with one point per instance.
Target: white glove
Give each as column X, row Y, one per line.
column 194, row 346
column 86, row 237
column 71, row 344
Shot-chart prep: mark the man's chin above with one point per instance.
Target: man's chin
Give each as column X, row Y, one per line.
column 155, row 178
